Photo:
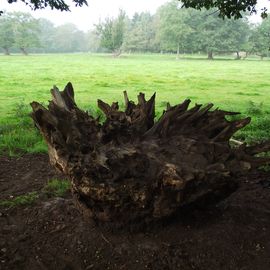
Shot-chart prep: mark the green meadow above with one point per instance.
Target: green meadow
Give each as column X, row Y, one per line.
column 237, row 85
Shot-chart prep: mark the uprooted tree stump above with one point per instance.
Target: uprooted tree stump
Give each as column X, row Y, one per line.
column 133, row 169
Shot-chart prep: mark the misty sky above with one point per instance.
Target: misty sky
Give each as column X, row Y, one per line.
column 86, row 17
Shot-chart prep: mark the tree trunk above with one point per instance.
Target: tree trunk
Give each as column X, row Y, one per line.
column 178, row 52
column 23, row 51
column 238, row 56
column 246, row 55
column 210, row 55
column 131, row 169
column 6, row 51
column 117, row 53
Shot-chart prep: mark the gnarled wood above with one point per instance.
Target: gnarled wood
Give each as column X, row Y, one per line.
column 131, row 168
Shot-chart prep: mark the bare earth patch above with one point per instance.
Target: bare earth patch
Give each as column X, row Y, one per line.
column 51, row 234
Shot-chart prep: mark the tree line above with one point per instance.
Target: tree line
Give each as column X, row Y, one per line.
column 21, row 32
column 171, row 29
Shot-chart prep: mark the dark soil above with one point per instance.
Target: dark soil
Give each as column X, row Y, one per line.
column 52, row 234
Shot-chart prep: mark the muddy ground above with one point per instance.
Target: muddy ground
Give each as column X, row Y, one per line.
column 51, row 233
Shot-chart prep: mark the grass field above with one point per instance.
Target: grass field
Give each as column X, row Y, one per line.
column 242, row 86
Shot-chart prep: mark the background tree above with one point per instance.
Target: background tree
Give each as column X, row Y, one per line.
column 260, row 39
column 111, row 32
column 220, row 35
column 105, row 32
column 175, row 27
column 46, row 35
column 190, row 31
column 211, row 34
column 68, row 38
column 118, row 31
column 92, row 41
column 141, row 33
column 6, row 33
column 26, row 30
column 238, row 32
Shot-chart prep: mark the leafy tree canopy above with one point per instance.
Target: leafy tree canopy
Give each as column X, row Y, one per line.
column 53, row 4
column 229, row 8
column 260, row 39
column 6, row 33
column 111, row 32
column 25, row 30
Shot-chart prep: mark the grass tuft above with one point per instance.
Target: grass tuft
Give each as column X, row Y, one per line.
column 56, row 188
column 26, row 199
column 254, row 108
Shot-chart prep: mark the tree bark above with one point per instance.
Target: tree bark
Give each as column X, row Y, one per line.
column 131, row 169
column 23, row 50
column 210, row 55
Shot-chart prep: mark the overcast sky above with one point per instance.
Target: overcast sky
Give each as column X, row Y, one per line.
column 85, row 17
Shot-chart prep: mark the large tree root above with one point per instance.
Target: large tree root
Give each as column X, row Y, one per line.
column 132, row 169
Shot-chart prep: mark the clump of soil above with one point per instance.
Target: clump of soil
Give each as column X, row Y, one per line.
column 52, row 234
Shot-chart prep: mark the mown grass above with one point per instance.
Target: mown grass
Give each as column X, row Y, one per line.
column 231, row 85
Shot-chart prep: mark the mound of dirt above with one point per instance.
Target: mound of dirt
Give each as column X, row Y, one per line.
column 51, row 233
